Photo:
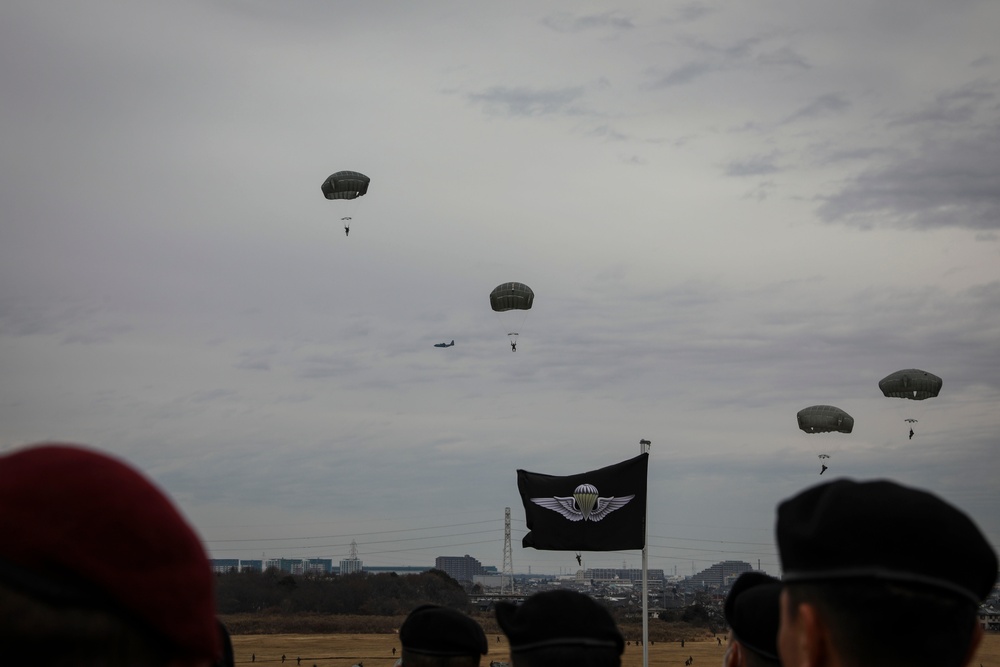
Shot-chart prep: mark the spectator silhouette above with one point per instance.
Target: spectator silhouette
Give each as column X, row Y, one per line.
column 560, row 628
column 434, row 636
column 752, row 612
column 863, row 561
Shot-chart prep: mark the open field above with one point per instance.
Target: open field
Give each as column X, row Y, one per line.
column 376, row 651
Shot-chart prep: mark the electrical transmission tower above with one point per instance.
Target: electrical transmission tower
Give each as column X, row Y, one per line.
column 507, row 576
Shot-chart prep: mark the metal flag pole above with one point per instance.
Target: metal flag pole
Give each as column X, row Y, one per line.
column 644, row 449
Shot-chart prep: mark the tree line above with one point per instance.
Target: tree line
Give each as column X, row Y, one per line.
column 384, row 594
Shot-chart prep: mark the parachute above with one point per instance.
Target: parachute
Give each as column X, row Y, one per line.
column 512, row 297
column 824, row 419
column 346, row 185
column 912, row 384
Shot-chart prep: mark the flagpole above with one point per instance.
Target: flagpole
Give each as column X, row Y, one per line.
column 644, row 449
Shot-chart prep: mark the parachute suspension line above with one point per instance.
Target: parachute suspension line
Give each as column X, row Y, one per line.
column 345, row 186
column 503, row 325
column 520, row 324
column 507, row 297
column 511, row 332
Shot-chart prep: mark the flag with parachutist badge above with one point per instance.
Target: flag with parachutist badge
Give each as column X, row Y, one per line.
column 599, row 510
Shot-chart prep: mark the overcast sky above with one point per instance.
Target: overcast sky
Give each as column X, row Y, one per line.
column 727, row 212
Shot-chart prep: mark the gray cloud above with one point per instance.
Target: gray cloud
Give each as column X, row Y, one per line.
column 945, row 183
column 684, row 74
column 566, row 22
column 953, row 107
column 607, row 132
column 692, row 12
column 734, row 50
column 713, row 58
column 834, row 155
column 523, row 101
column 758, row 165
column 97, row 336
column 783, row 57
column 824, row 105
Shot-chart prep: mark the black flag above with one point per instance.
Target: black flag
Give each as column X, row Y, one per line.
column 600, row 510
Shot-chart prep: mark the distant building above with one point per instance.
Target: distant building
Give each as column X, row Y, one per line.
column 488, row 581
column 223, row 565
column 989, row 618
column 460, row 568
column 402, row 569
column 352, row 564
column 613, row 574
column 317, row 566
column 721, row 574
column 289, row 565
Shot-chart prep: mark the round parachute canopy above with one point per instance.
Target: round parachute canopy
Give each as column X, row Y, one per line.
column 825, row 419
column 345, row 185
column 511, row 296
column 911, row 383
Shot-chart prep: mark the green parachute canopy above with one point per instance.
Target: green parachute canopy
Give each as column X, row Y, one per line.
column 511, row 296
column 345, row 185
column 911, row 383
column 824, row 419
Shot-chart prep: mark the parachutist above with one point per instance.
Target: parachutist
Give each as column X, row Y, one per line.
column 347, row 231
column 516, row 297
column 911, row 434
column 579, row 559
column 823, row 470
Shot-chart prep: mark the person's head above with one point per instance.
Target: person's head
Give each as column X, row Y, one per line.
column 434, row 636
column 97, row 566
column 881, row 574
column 752, row 612
column 560, row 628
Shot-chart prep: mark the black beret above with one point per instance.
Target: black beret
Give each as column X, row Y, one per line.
column 434, row 630
column 753, row 612
column 558, row 618
column 882, row 530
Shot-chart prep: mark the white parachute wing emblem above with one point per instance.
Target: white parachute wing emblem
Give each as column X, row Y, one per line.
column 567, row 506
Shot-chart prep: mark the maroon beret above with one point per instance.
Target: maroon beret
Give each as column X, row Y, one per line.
column 81, row 528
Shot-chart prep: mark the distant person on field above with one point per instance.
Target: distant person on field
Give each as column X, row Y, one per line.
column 560, row 628
column 752, row 611
column 878, row 574
column 434, row 636
column 97, row 567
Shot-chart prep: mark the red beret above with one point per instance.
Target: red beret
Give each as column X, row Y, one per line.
column 79, row 522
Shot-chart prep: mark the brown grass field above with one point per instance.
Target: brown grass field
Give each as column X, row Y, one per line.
column 375, row 650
